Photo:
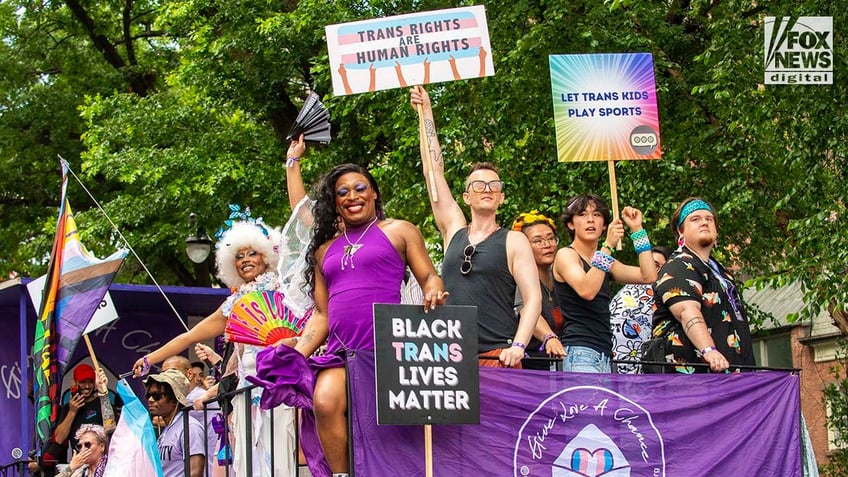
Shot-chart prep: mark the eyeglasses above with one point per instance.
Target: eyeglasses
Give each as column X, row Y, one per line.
column 543, row 242
column 87, row 445
column 155, row 396
column 480, row 186
column 465, row 267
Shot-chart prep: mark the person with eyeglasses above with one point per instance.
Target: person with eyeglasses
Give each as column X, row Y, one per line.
column 541, row 231
column 357, row 257
column 699, row 312
column 484, row 264
column 582, row 273
column 89, row 457
column 166, row 398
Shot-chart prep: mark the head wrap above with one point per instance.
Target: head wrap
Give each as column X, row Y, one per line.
column 692, row 206
column 531, row 218
column 84, row 372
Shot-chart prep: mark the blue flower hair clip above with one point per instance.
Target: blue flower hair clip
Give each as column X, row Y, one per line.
column 241, row 215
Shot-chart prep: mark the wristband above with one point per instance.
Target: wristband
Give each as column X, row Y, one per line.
column 545, row 340
column 640, row 241
column 145, row 367
column 707, row 350
column 602, row 261
column 519, row 344
column 610, row 247
column 290, row 160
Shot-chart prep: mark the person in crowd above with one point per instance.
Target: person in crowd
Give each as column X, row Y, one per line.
column 166, row 399
column 699, row 309
column 357, row 257
column 198, row 379
column 582, row 273
column 88, row 404
column 484, row 264
column 182, row 364
column 631, row 317
column 541, row 232
column 246, row 257
column 89, row 459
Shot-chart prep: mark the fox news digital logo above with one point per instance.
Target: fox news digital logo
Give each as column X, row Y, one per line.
column 798, row 50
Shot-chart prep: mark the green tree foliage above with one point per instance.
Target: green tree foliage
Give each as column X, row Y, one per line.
column 195, row 114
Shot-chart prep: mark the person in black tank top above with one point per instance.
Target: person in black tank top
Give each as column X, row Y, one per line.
column 483, row 264
column 582, row 272
column 541, row 232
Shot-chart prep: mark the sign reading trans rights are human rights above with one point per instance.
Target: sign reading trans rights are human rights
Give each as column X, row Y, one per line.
column 426, row 365
column 412, row 49
column 798, row 50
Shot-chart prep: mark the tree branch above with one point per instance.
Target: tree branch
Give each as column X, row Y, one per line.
column 101, row 43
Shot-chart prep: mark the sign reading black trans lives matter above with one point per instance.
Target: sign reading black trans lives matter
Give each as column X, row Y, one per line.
column 426, row 365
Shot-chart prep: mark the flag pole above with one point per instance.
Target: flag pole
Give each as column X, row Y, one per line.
column 124, row 239
column 91, row 352
column 614, row 194
column 428, row 450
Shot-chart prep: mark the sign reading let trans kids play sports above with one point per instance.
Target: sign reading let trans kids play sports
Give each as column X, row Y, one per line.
column 605, row 107
column 426, row 365
column 412, row 49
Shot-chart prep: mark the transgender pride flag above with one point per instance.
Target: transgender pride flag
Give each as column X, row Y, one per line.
column 133, row 451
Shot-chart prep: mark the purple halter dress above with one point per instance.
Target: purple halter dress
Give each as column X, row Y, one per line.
column 372, row 274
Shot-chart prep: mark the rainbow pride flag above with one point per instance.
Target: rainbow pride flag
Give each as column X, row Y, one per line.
column 75, row 286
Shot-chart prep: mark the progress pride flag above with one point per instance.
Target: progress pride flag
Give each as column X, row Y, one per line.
column 566, row 424
column 395, row 51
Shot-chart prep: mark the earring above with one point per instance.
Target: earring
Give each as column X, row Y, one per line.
column 680, row 241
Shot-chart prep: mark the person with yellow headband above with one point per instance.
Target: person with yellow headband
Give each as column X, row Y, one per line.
column 541, row 232
column 699, row 308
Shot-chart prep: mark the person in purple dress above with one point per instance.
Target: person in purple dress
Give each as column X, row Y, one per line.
column 357, row 257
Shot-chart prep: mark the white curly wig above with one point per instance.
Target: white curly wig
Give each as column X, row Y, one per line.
column 243, row 235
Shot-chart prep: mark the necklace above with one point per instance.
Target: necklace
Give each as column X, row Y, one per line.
column 352, row 247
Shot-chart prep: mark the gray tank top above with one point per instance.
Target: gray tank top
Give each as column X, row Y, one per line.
column 489, row 286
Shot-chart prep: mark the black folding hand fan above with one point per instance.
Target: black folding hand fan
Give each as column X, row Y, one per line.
column 313, row 121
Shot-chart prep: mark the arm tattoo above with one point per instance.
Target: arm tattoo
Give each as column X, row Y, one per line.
column 692, row 322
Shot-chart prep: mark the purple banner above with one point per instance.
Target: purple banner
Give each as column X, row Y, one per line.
column 538, row 423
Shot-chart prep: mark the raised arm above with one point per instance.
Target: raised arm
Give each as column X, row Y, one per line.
column 211, row 326
column 448, row 215
column 294, row 179
column 646, row 272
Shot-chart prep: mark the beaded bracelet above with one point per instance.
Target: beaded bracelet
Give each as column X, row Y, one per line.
column 640, row 241
column 602, row 261
column 290, row 160
column 545, row 340
column 707, row 350
column 610, row 247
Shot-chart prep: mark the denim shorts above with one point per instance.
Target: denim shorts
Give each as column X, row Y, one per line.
column 579, row 359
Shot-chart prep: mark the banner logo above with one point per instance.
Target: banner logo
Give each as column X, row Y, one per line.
column 589, row 431
column 798, row 50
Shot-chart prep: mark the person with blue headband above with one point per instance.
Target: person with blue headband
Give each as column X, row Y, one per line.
column 699, row 310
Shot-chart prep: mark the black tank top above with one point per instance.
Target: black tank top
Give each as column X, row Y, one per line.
column 489, row 286
column 587, row 323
